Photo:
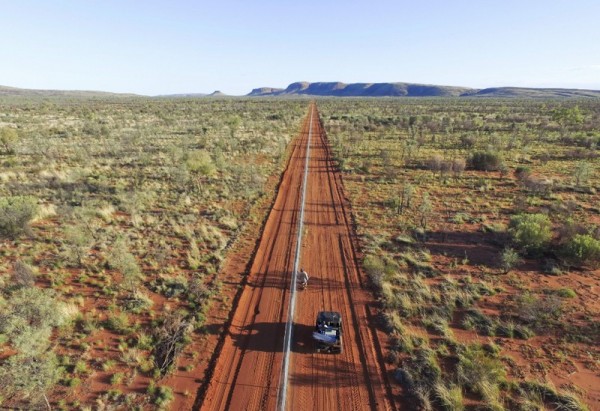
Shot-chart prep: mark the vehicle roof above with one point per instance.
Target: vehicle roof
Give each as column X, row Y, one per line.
column 329, row 316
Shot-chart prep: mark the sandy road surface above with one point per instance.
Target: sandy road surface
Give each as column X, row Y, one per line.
column 248, row 370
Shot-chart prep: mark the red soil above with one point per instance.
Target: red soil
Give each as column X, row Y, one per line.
column 247, row 369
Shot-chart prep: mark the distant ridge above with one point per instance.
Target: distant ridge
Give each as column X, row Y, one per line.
column 24, row 92
column 265, row 91
column 217, row 93
column 523, row 92
column 363, row 90
column 337, row 89
column 183, row 95
column 334, row 89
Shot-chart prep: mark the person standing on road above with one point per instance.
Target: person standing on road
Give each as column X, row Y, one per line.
column 303, row 277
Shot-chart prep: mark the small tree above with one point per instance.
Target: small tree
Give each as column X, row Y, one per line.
column 30, row 315
column 467, row 140
column 522, row 173
column 458, row 166
column 23, row 275
column 445, row 168
column 15, row 215
column 584, row 249
column 407, row 194
column 509, row 259
column 8, row 139
column 78, row 241
column 122, row 260
column 531, row 232
column 485, row 161
column 26, row 380
column 200, row 162
column 567, row 117
column 425, row 210
column 582, row 173
column 434, row 163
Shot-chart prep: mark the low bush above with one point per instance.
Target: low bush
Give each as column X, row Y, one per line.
column 583, row 249
column 449, row 397
column 15, row 215
column 485, row 161
column 118, row 323
column 480, row 372
column 566, row 293
column 9, row 138
column 476, row 320
column 23, row 275
column 539, row 311
column 531, row 232
column 117, row 378
column 375, row 269
column 509, row 259
column 138, row 303
column 29, row 317
column 200, row 162
column 161, row 396
column 546, row 394
column 29, row 379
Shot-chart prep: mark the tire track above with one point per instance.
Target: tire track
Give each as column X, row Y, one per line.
column 229, row 371
column 246, row 370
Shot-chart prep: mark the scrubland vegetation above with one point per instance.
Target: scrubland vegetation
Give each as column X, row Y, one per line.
column 480, row 226
column 115, row 217
column 478, row 219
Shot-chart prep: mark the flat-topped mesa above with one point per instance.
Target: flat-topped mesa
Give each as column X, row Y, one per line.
column 338, row 89
column 265, row 91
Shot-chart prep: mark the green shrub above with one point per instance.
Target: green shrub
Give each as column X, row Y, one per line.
column 118, row 323
column 539, row 311
column 8, row 139
column 449, row 397
column 121, row 259
column 73, row 382
column 485, row 161
column 80, row 367
column 523, row 332
column 108, row 364
column 201, row 162
column 23, row 275
column 29, row 317
column 163, row 396
column 509, row 259
column 138, row 303
column 566, row 293
column 424, row 367
column 522, row 173
column 15, row 215
column 117, row 378
column 375, row 269
column 584, row 249
column 476, row 320
column 547, row 393
column 531, row 232
column 30, row 378
column 480, row 372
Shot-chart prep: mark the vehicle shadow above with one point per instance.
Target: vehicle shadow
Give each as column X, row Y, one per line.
column 268, row 337
column 333, row 372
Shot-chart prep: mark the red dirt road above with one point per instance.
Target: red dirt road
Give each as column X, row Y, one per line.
column 247, row 372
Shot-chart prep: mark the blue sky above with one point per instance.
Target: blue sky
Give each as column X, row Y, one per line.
column 161, row 47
